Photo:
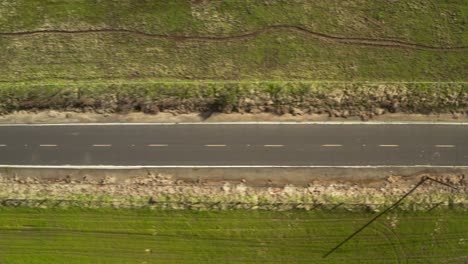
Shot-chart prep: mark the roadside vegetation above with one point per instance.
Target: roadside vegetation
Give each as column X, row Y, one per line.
column 142, row 51
column 337, row 99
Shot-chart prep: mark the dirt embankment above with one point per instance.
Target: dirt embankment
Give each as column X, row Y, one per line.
column 64, row 117
column 332, row 100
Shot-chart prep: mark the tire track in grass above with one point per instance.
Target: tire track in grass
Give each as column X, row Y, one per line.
column 378, row 42
column 393, row 240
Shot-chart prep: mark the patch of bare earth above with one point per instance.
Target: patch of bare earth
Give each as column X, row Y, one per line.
column 52, row 116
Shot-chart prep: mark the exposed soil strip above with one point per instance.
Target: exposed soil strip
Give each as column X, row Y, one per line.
column 345, row 40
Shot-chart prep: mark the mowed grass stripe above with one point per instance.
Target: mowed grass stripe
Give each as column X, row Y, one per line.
column 240, row 236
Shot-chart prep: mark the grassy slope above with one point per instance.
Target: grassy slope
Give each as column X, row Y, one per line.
column 278, row 54
column 439, row 23
column 109, row 236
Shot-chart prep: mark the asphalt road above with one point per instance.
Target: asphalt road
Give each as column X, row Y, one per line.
column 236, row 144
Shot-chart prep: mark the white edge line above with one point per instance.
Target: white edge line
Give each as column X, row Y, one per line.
column 389, row 146
column 48, row 145
column 214, row 146
column 273, row 146
column 331, row 145
column 102, row 145
column 221, row 166
column 158, row 145
column 248, row 123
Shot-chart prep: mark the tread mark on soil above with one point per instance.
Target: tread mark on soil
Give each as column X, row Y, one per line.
column 391, row 43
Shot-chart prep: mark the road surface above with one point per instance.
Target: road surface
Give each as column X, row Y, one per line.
column 235, row 145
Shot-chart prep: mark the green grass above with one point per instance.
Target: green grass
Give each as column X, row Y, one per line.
column 438, row 22
column 122, row 236
column 281, row 54
column 278, row 55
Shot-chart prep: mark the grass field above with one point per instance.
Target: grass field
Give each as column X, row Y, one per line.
column 356, row 40
column 438, row 23
column 144, row 236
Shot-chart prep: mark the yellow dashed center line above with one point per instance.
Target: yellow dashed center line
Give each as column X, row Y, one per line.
column 389, row 146
column 215, row 145
column 444, row 146
column 332, row 145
